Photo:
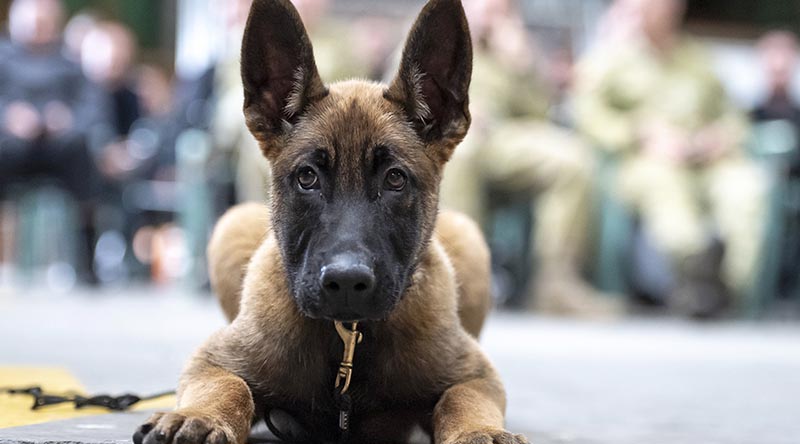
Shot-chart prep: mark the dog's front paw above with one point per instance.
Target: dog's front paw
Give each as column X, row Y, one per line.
column 490, row 437
column 182, row 428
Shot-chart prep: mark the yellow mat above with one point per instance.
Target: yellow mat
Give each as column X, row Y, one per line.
column 15, row 410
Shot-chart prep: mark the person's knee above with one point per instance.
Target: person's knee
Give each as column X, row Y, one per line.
column 641, row 177
column 68, row 145
column 576, row 167
column 740, row 187
column 15, row 156
column 70, row 161
column 13, row 150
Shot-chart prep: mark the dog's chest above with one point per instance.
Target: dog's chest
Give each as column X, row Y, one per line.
column 387, row 376
column 380, row 393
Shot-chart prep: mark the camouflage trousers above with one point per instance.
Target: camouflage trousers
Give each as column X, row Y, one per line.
column 681, row 208
column 555, row 165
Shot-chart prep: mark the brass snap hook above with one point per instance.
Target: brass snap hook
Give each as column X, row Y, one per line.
column 351, row 337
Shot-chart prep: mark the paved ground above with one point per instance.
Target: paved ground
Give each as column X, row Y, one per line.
column 638, row 381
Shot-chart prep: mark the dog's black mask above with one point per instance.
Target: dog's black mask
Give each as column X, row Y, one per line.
column 350, row 234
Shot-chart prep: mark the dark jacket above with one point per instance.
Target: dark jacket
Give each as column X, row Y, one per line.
column 41, row 77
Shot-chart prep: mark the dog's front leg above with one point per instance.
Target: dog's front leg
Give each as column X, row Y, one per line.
column 214, row 407
column 473, row 412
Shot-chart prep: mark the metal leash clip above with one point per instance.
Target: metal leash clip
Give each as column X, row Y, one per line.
column 350, row 337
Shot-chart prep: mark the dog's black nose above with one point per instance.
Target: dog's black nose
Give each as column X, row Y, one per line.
column 349, row 282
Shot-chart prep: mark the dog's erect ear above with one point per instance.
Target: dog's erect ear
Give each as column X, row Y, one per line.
column 279, row 74
column 435, row 71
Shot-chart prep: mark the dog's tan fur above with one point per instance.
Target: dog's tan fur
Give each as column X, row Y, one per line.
column 433, row 348
column 421, row 366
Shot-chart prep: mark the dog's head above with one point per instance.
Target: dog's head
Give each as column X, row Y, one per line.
column 356, row 166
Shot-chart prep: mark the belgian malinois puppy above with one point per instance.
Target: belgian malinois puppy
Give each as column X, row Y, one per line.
column 354, row 235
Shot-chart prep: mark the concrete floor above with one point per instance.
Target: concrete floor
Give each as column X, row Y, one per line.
column 636, row 381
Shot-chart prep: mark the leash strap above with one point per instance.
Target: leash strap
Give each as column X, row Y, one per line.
column 345, row 405
column 287, row 429
column 115, row 403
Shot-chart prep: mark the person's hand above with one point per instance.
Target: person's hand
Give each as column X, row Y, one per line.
column 22, row 120
column 115, row 161
column 709, row 144
column 58, row 117
column 665, row 142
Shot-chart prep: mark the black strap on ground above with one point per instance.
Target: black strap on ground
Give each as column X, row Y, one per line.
column 114, row 403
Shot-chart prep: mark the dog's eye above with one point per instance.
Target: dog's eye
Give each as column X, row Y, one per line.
column 395, row 180
column 307, row 178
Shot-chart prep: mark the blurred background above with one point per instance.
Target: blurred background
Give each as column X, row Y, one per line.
column 633, row 162
column 626, row 156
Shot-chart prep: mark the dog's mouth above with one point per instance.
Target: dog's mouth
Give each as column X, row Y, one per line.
column 315, row 309
column 346, row 316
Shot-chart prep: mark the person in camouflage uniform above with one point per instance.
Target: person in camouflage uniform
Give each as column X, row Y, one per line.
column 513, row 147
column 656, row 106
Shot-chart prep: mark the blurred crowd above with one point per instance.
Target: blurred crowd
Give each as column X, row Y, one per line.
column 620, row 177
column 87, row 135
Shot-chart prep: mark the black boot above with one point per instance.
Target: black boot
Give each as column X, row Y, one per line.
column 85, row 267
column 700, row 293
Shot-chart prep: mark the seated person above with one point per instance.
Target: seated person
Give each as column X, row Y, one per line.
column 111, row 70
column 47, row 109
column 655, row 103
column 513, row 147
column 779, row 54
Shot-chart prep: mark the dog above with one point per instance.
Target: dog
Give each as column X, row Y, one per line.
column 354, row 235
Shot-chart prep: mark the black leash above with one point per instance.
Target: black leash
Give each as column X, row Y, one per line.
column 351, row 337
column 288, row 429
column 345, row 405
column 114, row 403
